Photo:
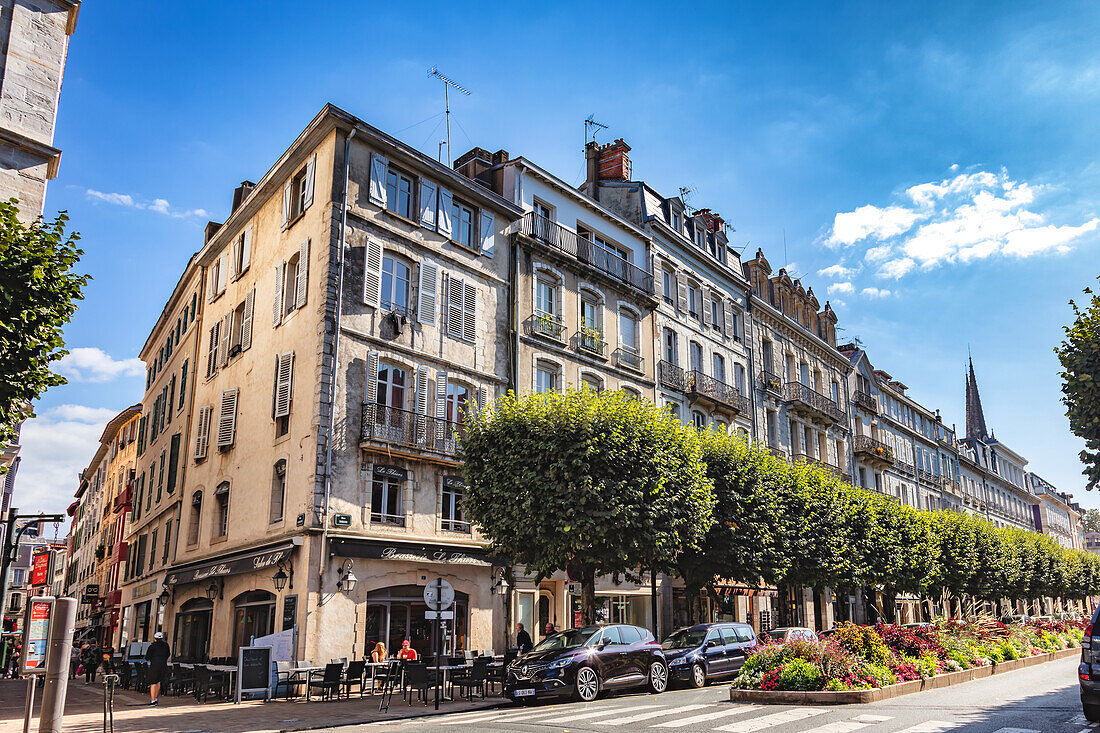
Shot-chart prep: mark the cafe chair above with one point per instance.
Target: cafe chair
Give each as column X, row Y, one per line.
column 353, row 676
column 286, row 676
column 476, row 679
column 417, row 680
column 329, row 683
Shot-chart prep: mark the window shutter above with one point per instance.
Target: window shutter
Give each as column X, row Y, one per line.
column 706, row 310
column 223, row 343
column 287, row 201
column 212, row 353
column 427, row 203
column 682, row 292
column 377, row 192
column 441, row 395
column 303, row 274
column 488, row 236
column 727, row 327
column 284, row 368
column 469, row 312
column 426, row 293
column 307, row 184
column 280, row 278
column 234, row 258
column 246, row 319
column 173, row 460
column 443, row 220
column 482, row 398
column 372, row 273
column 212, row 273
column 454, row 307
column 223, row 264
column 372, row 377
column 227, row 418
column 422, row 390
column 202, row 432
column 246, row 249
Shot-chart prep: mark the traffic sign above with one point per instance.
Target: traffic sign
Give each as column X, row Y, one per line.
column 439, row 615
column 439, row 595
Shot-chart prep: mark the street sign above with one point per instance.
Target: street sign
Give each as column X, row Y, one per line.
column 36, row 634
column 439, row 595
column 41, row 567
column 574, row 589
column 439, row 615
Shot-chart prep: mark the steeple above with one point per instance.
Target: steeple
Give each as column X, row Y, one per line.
column 975, row 415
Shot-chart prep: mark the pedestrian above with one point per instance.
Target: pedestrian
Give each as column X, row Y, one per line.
column 74, row 660
column 407, row 652
column 523, row 639
column 549, row 629
column 14, row 663
column 90, row 660
column 157, row 655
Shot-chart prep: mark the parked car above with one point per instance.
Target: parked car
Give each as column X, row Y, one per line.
column 696, row 654
column 583, row 662
column 917, row 625
column 789, row 633
column 1088, row 674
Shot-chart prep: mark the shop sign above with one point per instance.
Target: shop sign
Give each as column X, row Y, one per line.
column 454, row 482
column 41, row 566
column 390, row 471
column 36, row 634
column 411, row 553
column 246, row 564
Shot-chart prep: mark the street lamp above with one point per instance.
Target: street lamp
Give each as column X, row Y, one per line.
column 500, row 587
column 212, row 590
column 164, row 596
column 279, row 579
column 347, row 580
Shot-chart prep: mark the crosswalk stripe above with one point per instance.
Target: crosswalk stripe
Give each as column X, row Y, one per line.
column 597, row 714
column 651, row 714
column 451, row 720
column 1017, row 730
column 768, row 721
column 844, row 726
column 729, row 712
column 931, row 726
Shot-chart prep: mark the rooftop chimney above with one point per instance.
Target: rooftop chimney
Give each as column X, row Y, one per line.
column 478, row 165
column 212, row 228
column 610, row 162
column 714, row 222
column 241, row 193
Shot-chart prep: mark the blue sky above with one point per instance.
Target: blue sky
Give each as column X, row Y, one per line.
column 941, row 158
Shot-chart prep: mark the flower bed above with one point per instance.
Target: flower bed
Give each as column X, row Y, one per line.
column 866, row 657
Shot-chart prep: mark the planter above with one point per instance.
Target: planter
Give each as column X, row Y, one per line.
column 860, row 697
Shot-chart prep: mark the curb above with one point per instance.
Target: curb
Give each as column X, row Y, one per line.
column 857, row 697
column 413, row 715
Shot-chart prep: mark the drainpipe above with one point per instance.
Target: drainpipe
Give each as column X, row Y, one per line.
column 752, row 371
column 335, row 356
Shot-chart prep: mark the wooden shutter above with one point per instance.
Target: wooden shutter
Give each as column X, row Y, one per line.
column 223, row 266
column 307, row 183
column 212, row 353
column 454, row 307
column 212, row 273
column 488, row 236
column 235, row 253
column 705, row 305
column 280, row 282
column 482, row 398
column 372, row 273
column 427, row 203
column 441, row 395
column 227, row 418
column 223, row 343
column 469, row 312
column 372, row 377
column 682, row 292
column 246, row 319
column 426, row 292
column 288, row 201
column 173, row 460
column 246, row 249
column 377, row 190
column 303, row 274
column 202, row 431
column 422, row 390
column 727, row 327
column 284, row 368
column 443, row 219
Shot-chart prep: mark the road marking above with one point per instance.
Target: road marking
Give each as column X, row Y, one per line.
column 727, row 713
column 597, row 714
column 843, row 726
column 931, row 726
column 651, row 714
column 1017, row 730
column 769, row 721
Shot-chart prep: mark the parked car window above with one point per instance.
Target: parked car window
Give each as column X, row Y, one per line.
column 684, row 639
column 744, row 633
column 729, row 636
column 713, row 635
column 629, row 634
column 567, row 639
column 611, row 635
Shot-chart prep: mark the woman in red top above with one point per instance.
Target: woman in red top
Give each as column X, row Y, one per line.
column 407, row 652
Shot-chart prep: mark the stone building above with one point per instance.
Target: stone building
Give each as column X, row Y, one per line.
column 1056, row 514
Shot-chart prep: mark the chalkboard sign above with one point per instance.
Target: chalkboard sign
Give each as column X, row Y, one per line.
column 253, row 670
column 290, row 612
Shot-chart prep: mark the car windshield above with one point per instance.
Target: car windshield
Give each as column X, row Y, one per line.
column 566, row 639
column 684, row 639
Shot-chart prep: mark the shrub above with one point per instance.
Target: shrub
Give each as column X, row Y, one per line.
column 799, row 674
column 911, row 642
column 862, row 641
column 770, row 680
column 904, row 669
column 1008, row 652
column 880, row 675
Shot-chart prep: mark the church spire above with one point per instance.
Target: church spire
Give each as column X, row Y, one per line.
column 975, row 415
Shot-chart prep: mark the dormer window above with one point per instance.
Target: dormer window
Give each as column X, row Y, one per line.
column 677, row 223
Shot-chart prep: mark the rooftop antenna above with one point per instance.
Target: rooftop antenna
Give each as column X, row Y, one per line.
column 439, row 155
column 686, row 196
column 447, row 84
column 591, row 128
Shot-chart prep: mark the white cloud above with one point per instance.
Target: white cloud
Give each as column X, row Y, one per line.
column 875, row 292
column 158, row 205
column 837, row 303
column 870, row 221
column 838, row 271
column 119, row 199
column 897, row 268
column 90, row 364
column 845, row 287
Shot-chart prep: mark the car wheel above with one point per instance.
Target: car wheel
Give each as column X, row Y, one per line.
column 698, row 676
column 658, row 677
column 587, row 685
column 1092, row 713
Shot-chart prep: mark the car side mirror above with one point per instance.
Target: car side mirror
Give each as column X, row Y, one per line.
column 711, row 643
column 603, row 644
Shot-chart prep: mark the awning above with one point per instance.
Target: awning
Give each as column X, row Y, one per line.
column 740, row 589
column 412, row 552
column 230, row 565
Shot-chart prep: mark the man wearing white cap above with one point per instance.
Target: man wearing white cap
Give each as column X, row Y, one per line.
column 157, row 655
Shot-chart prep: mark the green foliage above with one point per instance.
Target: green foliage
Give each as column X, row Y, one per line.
column 863, row 641
column 1091, row 520
column 37, row 294
column 800, row 674
column 1079, row 354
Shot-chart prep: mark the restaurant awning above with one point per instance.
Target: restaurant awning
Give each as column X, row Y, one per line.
column 234, row 564
column 412, row 552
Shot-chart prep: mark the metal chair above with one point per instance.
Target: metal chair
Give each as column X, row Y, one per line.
column 329, row 682
column 353, row 676
column 475, row 679
column 417, row 680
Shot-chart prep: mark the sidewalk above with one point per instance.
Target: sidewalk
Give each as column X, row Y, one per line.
column 84, row 712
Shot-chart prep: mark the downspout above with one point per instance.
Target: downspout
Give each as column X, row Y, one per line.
column 335, row 358
column 752, row 370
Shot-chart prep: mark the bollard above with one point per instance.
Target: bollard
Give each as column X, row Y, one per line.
column 59, row 647
column 109, row 682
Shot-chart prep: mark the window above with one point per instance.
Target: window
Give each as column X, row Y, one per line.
column 739, row 378
column 395, row 284
column 386, row 496
column 674, row 409
column 593, row 382
column 462, row 224
column 546, row 377
column 183, row 384
column 391, row 386
column 290, row 284
column 458, row 401
column 278, row 491
column 716, row 314
column 282, row 392
column 291, row 278
column 677, row 223
column 670, row 346
column 696, row 357
column 450, row 513
column 462, row 309
column 628, row 329
column 719, row 368
column 221, row 509
column 546, row 295
column 699, row 420
column 298, row 193
column 399, row 193
column 693, row 300
column 668, row 286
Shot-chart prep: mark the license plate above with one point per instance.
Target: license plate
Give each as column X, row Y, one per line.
column 522, row 693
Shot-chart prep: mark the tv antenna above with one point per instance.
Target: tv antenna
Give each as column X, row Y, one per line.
column 447, row 84
column 591, row 128
column 686, row 196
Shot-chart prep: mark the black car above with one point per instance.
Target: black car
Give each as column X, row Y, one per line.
column 699, row 653
column 582, row 662
column 1088, row 674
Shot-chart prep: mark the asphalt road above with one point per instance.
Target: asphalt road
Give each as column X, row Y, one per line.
column 1040, row 699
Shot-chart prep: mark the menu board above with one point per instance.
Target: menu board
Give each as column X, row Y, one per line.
column 253, row 670
column 36, row 635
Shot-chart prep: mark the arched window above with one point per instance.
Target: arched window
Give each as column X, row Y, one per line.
column 253, row 615
column 278, row 490
column 221, row 509
column 592, row 381
column 196, row 517
column 632, row 393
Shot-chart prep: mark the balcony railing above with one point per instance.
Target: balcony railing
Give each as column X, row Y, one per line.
column 544, row 324
column 948, row 440
column 950, row 485
column 402, row 428
column 628, row 357
column 875, row 449
column 590, row 341
column 556, row 237
column 810, row 460
column 819, row 404
column 716, row 390
column 771, row 382
column 454, row 525
column 866, row 401
column 389, row 520
column 123, row 499
column 671, row 376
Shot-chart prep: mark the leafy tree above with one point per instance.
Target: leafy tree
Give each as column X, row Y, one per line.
column 37, row 294
column 1079, row 354
column 605, row 481
column 1091, row 520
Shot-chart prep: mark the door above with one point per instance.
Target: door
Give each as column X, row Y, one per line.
column 735, row 649
column 714, row 652
column 614, row 661
column 637, row 653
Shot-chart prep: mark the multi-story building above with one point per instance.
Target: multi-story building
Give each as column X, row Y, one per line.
column 1056, row 514
column 1092, row 542
column 157, row 492
column 32, row 62
column 19, row 588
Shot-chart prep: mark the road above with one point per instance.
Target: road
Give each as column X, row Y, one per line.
column 1040, row 699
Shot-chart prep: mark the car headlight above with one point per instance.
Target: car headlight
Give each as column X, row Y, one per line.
column 679, row 661
column 559, row 663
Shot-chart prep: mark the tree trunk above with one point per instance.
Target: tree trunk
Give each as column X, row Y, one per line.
column 588, row 595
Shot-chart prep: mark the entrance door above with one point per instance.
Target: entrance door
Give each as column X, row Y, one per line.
column 544, row 615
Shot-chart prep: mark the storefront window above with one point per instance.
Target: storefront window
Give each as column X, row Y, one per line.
column 141, row 622
column 525, row 612
column 253, row 615
column 397, row 613
column 192, row 639
column 616, row 609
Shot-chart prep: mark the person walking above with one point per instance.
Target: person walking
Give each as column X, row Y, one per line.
column 90, row 659
column 523, row 639
column 157, row 655
column 74, row 660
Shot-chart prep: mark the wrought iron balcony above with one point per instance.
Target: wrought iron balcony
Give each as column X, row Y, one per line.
column 558, row 239
column 872, row 449
column 671, row 376
column 798, row 457
column 812, row 403
column 544, row 324
column 771, row 382
column 403, row 429
column 950, row 485
column 589, row 340
column 629, row 358
column 866, row 401
column 700, row 385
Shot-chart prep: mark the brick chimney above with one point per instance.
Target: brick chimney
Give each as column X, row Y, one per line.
column 241, row 193
column 715, row 223
column 481, row 166
column 610, row 162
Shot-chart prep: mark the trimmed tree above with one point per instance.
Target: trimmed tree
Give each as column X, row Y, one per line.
column 1079, row 354
column 604, row 482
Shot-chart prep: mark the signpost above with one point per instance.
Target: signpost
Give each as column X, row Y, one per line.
column 439, row 595
column 41, row 568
